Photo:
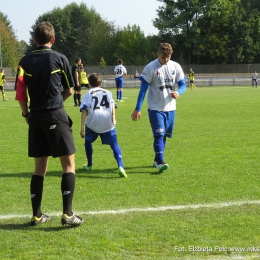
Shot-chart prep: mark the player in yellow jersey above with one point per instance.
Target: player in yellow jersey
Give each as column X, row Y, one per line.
column 84, row 77
column 2, row 81
column 191, row 77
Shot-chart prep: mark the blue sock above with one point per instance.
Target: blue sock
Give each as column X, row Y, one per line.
column 164, row 142
column 158, row 145
column 117, row 154
column 117, row 94
column 121, row 94
column 89, row 152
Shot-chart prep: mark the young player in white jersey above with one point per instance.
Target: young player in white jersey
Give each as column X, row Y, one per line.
column 98, row 119
column 254, row 79
column 160, row 77
column 119, row 71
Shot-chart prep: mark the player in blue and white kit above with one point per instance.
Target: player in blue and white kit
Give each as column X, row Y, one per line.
column 160, row 77
column 98, row 107
column 119, row 71
column 254, row 79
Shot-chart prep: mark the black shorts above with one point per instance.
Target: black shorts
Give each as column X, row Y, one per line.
column 1, row 88
column 191, row 81
column 85, row 85
column 50, row 134
column 76, row 88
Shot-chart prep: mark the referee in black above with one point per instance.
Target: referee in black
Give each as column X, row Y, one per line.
column 44, row 77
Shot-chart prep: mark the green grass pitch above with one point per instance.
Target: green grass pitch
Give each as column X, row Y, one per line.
column 205, row 206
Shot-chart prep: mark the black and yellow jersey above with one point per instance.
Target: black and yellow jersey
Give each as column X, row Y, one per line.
column 44, row 72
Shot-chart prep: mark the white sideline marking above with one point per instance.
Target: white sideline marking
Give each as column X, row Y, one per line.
column 162, row 208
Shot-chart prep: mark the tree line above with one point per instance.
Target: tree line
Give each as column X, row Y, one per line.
column 200, row 31
column 10, row 48
column 211, row 31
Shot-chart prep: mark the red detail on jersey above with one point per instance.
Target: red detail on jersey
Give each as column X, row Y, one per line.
column 21, row 89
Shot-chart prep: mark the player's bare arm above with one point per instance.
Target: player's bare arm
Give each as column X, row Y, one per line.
column 84, row 114
column 67, row 92
column 77, row 78
column 113, row 114
column 24, row 108
column 6, row 82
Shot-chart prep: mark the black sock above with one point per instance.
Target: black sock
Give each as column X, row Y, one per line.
column 67, row 190
column 79, row 98
column 36, row 189
column 75, row 99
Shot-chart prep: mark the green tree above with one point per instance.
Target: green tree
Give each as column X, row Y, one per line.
column 179, row 20
column 104, row 42
column 132, row 46
column 225, row 33
column 214, row 24
column 240, row 37
column 153, row 42
column 80, row 32
column 252, row 9
column 23, row 47
column 10, row 49
column 211, row 31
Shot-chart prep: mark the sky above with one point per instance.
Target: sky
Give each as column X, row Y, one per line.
column 121, row 12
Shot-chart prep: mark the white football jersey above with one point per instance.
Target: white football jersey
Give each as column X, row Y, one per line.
column 162, row 80
column 120, row 70
column 254, row 75
column 98, row 102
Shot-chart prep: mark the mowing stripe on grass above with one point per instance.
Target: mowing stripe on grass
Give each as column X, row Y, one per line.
column 162, row 208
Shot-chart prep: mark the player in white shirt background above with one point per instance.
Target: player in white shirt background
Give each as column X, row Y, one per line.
column 159, row 77
column 254, row 79
column 119, row 71
column 98, row 119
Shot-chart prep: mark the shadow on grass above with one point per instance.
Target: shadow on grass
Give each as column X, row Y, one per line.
column 28, row 175
column 26, row 226
column 110, row 173
column 129, row 171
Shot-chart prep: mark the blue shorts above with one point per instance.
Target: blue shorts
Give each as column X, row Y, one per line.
column 119, row 82
column 106, row 138
column 162, row 123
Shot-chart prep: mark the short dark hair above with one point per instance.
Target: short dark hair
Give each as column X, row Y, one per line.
column 120, row 61
column 43, row 33
column 94, row 80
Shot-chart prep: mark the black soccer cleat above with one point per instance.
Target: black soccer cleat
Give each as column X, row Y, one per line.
column 73, row 220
